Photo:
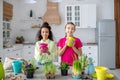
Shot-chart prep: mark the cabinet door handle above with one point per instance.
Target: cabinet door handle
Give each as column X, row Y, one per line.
column 89, row 47
column 29, row 52
column 89, row 53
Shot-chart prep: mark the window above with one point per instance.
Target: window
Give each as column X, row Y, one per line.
column 6, row 30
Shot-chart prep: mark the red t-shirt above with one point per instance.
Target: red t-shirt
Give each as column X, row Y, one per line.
column 69, row 55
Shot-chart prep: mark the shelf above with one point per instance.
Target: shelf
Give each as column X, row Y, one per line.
column 29, row 29
column 32, row 19
column 27, row 20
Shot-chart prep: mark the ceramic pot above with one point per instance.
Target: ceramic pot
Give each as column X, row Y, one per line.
column 64, row 72
column 43, row 47
column 50, row 76
column 29, row 74
column 70, row 41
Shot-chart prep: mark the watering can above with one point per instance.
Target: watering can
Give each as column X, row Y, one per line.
column 91, row 68
column 2, row 73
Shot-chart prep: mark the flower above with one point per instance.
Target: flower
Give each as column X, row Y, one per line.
column 29, row 67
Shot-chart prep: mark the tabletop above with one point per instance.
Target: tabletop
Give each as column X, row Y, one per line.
column 38, row 75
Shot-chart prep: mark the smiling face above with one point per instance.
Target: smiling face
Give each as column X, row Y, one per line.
column 45, row 33
column 69, row 29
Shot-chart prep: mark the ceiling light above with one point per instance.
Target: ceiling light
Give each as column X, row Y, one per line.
column 30, row 1
column 55, row 0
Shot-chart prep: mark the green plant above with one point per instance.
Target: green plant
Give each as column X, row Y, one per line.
column 64, row 66
column 83, row 61
column 76, row 68
column 49, row 68
column 29, row 70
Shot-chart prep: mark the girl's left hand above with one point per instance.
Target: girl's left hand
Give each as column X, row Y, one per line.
column 73, row 44
column 48, row 51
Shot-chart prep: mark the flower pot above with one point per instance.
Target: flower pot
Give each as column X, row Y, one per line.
column 50, row 76
column 64, row 72
column 76, row 77
column 29, row 74
column 43, row 47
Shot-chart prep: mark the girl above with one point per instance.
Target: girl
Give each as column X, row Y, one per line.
column 45, row 36
column 69, row 54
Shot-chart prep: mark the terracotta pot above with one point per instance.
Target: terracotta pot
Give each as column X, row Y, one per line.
column 50, row 76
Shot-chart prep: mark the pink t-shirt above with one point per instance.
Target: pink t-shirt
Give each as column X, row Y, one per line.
column 69, row 55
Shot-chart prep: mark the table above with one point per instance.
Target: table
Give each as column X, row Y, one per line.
column 40, row 76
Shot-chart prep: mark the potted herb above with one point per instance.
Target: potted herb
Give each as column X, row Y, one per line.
column 49, row 70
column 76, row 69
column 84, row 62
column 79, row 67
column 29, row 70
column 64, row 68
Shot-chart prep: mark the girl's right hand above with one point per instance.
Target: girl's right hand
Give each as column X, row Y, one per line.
column 66, row 42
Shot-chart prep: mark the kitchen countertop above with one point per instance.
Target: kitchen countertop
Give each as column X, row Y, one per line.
column 86, row 44
column 21, row 45
column 28, row 43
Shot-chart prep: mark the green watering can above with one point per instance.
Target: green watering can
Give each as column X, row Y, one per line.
column 2, row 73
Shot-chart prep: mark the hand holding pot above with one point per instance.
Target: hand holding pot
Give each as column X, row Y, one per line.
column 70, row 41
column 43, row 47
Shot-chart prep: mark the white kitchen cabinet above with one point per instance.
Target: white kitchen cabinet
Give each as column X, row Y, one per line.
column 91, row 51
column 84, row 15
column 11, row 52
column 88, row 16
column 73, row 14
column 28, row 52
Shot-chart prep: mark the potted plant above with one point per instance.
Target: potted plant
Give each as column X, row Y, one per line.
column 76, row 69
column 79, row 66
column 49, row 70
column 64, row 68
column 84, row 62
column 29, row 70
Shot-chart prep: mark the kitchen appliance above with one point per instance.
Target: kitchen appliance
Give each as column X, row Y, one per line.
column 105, row 32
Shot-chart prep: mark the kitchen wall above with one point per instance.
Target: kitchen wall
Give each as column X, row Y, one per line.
column 1, row 40
column 21, row 24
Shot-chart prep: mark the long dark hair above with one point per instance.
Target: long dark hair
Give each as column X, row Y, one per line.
column 45, row 25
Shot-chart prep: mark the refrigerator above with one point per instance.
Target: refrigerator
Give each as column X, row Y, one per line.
column 106, row 32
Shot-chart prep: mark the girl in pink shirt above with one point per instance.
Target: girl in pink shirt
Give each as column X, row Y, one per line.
column 69, row 53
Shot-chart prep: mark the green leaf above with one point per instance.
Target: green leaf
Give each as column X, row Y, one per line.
column 64, row 66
